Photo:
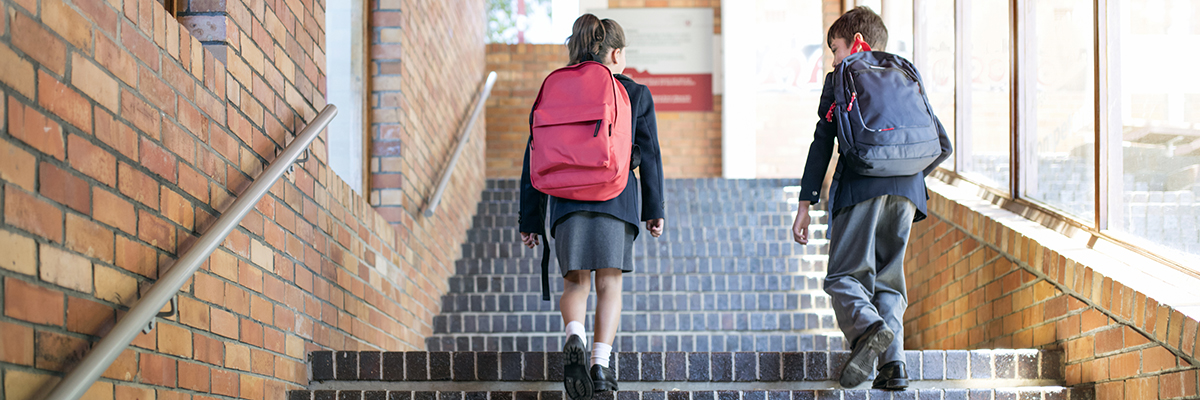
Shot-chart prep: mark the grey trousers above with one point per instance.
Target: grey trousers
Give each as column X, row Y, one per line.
column 865, row 278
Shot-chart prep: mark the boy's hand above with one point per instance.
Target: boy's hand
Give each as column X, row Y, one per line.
column 800, row 227
column 656, row 226
column 530, row 239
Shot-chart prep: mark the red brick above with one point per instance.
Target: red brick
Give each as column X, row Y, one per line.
column 180, row 80
column 15, row 71
column 1093, row 319
column 65, row 102
column 116, row 134
column 157, row 370
column 262, row 362
column 94, row 82
column 124, row 367
column 92, row 160
column 137, row 185
column 140, row 113
column 191, row 119
column 32, row 303
column 65, row 188
column 156, row 91
column 174, row 340
column 252, row 387
column 1141, row 388
column 17, row 166
column 61, row 19
column 158, row 160
column 237, row 299
column 193, row 376
column 156, row 231
column 179, row 142
column 58, row 352
column 89, row 317
column 1171, row 385
column 131, row 392
column 225, row 383
column 17, row 347
column 100, row 13
column 208, row 350
column 114, row 211
column 33, row 128
column 223, row 323
column 32, row 214
column 89, row 238
column 1124, row 365
column 251, row 333
column 193, row 182
column 193, row 313
column 176, row 208
column 116, row 60
column 137, row 258
column 140, row 46
column 38, row 43
column 1156, row 359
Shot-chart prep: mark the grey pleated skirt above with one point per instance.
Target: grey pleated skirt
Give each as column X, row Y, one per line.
column 586, row 240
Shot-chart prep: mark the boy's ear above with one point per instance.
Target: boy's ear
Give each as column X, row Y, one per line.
column 857, row 38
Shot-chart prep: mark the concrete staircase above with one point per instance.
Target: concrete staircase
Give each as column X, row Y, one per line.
column 723, row 306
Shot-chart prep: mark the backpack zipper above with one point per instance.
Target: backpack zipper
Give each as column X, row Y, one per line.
column 597, row 132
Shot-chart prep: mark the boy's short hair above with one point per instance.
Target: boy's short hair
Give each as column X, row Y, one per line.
column 862, row 20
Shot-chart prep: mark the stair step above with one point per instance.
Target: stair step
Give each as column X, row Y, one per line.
column 654, row 301
column 806, row 265
column 657, row 283
column 639, row 321
column 689, row 342
column 913, row 393
column 924, row 365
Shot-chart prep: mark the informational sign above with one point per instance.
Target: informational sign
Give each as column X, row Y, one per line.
column 670, row 50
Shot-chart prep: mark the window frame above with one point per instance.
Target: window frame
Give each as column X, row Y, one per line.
column 1107, row 162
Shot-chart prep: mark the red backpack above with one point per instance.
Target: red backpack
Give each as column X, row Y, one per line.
column 582, row 134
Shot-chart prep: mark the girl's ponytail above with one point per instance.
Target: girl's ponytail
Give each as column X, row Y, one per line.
column 592, row 38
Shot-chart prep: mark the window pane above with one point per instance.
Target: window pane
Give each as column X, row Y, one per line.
column 1160, row 122
column 898, row 17
column 1060, row 170
column 985, row 100
column 935, row 60
column 789, row 78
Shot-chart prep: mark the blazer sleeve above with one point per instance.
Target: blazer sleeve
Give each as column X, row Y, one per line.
column 646, row 139
column 821, row 149
column 533, row 202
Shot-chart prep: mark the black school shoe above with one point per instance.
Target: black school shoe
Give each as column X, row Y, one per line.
column 874, row 341
column 604, row 378
column 576, row 380
column 892, row 376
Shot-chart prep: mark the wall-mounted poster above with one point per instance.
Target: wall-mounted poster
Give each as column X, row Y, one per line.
column 669, row 50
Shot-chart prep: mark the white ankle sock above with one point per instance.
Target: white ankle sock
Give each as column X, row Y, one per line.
column 576, row 328
column 601, row 353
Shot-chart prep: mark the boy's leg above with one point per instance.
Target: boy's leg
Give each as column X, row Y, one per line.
column 850, row 275
column 891, row 294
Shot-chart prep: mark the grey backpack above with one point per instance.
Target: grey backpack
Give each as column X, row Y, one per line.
column 885, row 124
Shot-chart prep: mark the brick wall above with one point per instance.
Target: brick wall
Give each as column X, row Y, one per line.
column 690, row 141
column 976, row 283
column 122, row 140
column 426, row 61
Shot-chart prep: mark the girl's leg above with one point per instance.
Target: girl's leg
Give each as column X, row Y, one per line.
column 577, row 285
column 608, row 312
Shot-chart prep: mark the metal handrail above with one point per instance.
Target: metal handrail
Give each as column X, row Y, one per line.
column 462, row 141
column 80, row 379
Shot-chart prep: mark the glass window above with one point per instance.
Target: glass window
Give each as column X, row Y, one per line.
column 1159, row 175
column 343, row 34
column 934, row 58
column 1059, row 169
column 790, row 74
column 985, row 98
column 898, row 17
